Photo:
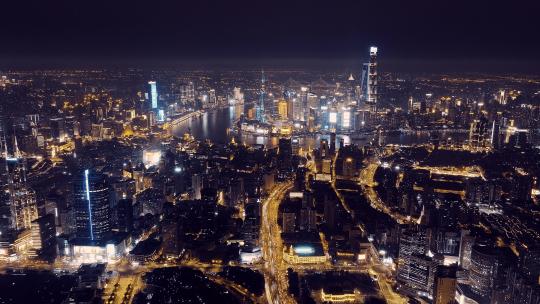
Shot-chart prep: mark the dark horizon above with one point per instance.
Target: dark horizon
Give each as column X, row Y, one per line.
column 407, row 66
column 414, row 36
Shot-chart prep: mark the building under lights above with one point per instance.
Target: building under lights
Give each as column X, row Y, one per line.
column 479, row 138
column 369, row 85
column 91, row 204
column 329, row 296
column 22, row 199
column 156, row 110
column 262, row 95
column 151, row 157
column 94, row 241
column 43, row 235
column 153, row 95
column 341, row 119
column 304, row 254
column 283, row 109
column 110, row 250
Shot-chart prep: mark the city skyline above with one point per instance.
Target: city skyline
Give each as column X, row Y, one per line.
column 270, row 153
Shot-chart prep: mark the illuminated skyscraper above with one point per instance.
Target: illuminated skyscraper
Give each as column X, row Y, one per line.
column 303, row 100
column 153, row 96
column 369, row 85
column 23, row 206
column 58, row 129
column 283, row 107
column 502, row 97
column 346, row 118
column 372, row 97
column 260, row 105
column 483, row 270
column 187, row 93
column 445, row 285
column 22, row 200
column 364, row 82
column 91, row 204
column 412, row 242
column 238, row 96
column 479, row 135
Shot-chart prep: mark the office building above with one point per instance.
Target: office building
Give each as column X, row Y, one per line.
column 483, row 269
column 285, row 167
column 187, row 93
column 369, row 85
column 288, row 221
column 196, row 186
column 479, row 138
column 445, row 285
column 153, row 95
column 283, row 109
column 413, row 242
column 260, row 110
column 495, row 136
column 58, row 129
column 124, row 215
column 465, row 248
column 23, row 207
column 22, row 199
column 91, row 206
column 43, row 232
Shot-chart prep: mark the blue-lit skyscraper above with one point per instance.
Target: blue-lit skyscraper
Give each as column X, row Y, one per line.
column 91, row 205
column 153, row 96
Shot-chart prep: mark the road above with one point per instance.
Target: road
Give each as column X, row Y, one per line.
column 275, row 271
column 240, row 291
column 367, row 182
column 385, row 288
column 123, row 288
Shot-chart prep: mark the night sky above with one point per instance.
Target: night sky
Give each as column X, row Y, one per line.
column 410, row 34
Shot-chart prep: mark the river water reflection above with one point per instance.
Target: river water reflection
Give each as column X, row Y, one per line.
column 214, row 125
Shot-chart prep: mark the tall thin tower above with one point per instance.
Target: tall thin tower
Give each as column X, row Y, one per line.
column 260, row 106
column 153, row 95
column 372, row 88
column 369, row 84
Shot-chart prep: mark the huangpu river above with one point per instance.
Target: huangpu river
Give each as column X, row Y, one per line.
column 214, row 125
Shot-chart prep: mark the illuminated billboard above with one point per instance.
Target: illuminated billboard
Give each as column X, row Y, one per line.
column 332, row 118
column 346, row 119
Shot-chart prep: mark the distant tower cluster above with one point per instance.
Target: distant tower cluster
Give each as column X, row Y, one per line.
column 260, row 106
column 370, row 79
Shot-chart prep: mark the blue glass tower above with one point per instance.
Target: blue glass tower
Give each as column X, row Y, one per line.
column 153, row 96
column 91, row 206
